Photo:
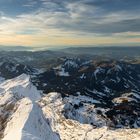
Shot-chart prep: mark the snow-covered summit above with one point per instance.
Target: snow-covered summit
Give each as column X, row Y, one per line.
column 21, row 118
column 20, row 87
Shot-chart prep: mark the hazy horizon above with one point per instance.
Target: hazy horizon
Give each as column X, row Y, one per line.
column 57, row 48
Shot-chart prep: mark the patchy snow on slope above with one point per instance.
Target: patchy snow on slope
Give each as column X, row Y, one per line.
column 25, row 115
column 63, row 73
column 69, row 129
column 52, row 107
column 97, row 71
column 70, row 63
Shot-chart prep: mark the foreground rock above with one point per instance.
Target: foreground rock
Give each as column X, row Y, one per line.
column 53, row 107
column 21, row 117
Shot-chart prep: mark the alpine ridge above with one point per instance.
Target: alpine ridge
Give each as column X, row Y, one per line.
column 21, row 116
column 28, row 114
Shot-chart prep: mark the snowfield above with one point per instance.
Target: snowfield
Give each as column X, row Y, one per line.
column 26, row 115
column 25, row 121
column 69, row 129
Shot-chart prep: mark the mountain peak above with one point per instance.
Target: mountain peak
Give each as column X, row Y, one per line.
column 21, row 86
column 21, row 116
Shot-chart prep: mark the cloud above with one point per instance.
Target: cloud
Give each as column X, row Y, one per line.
column 89, row 16
column 92, row 16
column 71, row 19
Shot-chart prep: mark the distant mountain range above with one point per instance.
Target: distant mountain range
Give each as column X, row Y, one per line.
column 14, row 48
column 68, row 92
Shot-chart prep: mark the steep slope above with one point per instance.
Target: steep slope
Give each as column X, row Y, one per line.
column 28, row 123
column 25, row 115
column 20, row 87
column 113, row 85
column 10, row 68
column 21, row 117
column 54, row 107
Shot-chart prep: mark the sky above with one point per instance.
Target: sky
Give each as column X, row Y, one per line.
column 37, row 23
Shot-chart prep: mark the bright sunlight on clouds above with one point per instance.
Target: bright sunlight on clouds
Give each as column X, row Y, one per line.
column 69, row 22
